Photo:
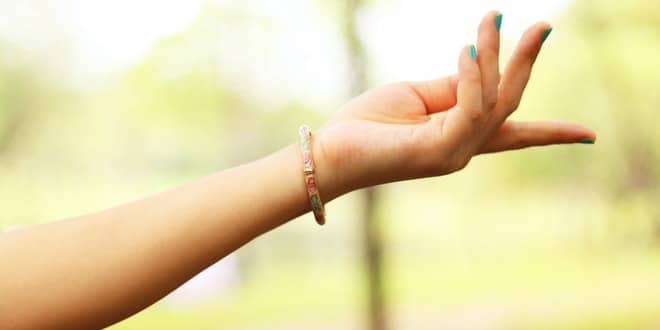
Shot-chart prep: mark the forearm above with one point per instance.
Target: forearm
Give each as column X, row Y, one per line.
column 98, row 269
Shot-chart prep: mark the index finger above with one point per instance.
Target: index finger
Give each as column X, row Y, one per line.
column 519, row 68
column 488, row 46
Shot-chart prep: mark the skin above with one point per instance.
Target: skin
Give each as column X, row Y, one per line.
column 95, row 270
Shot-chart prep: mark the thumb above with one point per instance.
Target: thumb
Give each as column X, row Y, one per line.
column 438, row 94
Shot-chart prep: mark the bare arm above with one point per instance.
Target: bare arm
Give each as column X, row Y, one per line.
column 98, row 269
column 92, row 271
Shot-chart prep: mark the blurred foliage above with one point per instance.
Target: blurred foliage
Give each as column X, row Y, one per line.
column 564, row 237
column 181, row 90
column 24, row 95
column 601, row 69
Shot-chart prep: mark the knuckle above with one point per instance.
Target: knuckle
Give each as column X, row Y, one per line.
column 429, row 165
column 442, row 164
column 510, row 102
column 474, row 115
column 457, row 163
column 514, row 104
column 461, row 164
column 520, row 141
column 490, row 54
column 490, row 101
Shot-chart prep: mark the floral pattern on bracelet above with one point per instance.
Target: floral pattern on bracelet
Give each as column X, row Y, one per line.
column 310, row 179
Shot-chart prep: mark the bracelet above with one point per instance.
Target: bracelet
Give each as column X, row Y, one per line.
column 310, row 179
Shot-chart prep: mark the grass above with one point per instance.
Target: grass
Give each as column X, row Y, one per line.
column 553, row 293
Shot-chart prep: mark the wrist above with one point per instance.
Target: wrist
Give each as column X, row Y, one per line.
column 328, row 178
column 330, row 181
column 335, row 159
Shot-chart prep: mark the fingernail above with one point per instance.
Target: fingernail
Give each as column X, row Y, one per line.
column 545, row 34
column 498, row 22
column 587, row 141
column 473, row 52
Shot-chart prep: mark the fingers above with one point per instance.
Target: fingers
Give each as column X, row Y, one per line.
column 519, row 68
column 465, row 116
column 517, row 135
column 488, row 46
column 468, row 94
column 438, row 94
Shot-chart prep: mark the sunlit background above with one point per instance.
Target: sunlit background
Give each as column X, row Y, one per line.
column 103, row 102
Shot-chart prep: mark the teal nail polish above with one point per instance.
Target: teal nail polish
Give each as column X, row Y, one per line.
column 545, row 34
column 587, row 141
column 498, row 22
column 473, row 52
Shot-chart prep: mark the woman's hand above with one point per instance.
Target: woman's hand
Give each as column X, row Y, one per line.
column 420, row 129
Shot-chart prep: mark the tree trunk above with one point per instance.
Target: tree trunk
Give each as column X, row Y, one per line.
column 371, row 235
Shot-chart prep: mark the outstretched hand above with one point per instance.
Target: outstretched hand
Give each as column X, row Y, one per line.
column 419, row 129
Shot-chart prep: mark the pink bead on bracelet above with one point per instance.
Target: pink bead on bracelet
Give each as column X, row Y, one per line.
column 310, row 179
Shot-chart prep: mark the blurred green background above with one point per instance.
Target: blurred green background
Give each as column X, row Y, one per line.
column 105, row 102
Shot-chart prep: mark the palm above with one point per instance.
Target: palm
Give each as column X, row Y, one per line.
column 390, row 104
column 384, row 128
